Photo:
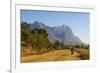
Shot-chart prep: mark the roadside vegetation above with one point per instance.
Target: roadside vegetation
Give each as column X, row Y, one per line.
column 35, row 45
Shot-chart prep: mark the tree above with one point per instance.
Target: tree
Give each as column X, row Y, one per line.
column 25, row 34
column 77, row 46
column 40, row 40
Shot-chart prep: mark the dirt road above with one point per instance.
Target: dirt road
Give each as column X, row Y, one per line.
column 58, row 55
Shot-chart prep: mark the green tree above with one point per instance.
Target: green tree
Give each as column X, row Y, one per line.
column 25, row 34
column 40, row 40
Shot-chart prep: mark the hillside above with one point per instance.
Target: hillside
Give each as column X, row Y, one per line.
column 61, row 33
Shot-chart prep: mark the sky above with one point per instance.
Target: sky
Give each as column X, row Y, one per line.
column 77, row 21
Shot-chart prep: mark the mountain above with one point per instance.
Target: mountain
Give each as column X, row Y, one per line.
column 60, row 33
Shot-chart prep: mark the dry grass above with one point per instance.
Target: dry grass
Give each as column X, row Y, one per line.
column 84, row 53
column 57, row 55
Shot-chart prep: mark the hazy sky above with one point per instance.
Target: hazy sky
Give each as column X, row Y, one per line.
column 78, row 22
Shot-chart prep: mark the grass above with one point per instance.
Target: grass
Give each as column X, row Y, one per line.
column 84, row 53
column 57, row 55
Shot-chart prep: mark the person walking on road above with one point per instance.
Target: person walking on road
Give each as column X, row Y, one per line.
column 72, row 50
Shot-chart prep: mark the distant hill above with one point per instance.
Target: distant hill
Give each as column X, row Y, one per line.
column 60, row 33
